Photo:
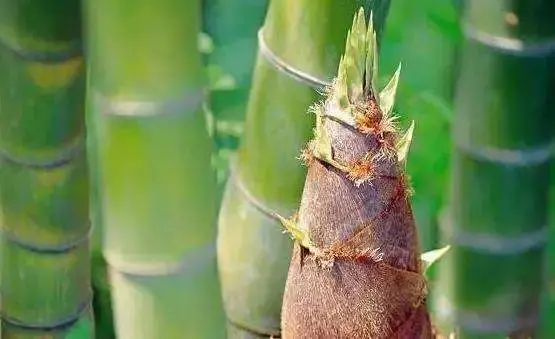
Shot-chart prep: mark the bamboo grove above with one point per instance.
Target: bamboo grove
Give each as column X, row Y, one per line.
column 242, row 169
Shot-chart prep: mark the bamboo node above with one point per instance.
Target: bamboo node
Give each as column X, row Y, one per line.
column 287, row 69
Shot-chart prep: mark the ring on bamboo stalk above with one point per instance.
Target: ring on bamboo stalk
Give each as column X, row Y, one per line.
column 515, row 157
column 492, row 243
column 511, row 46
column 73, row 50
column 193, row 261
column 45, row 248
column 63, row 157
column 71, row 319
column 189, row 102
column 81, row 326
column 235, row 178
column 286, row 68
column 483, row 323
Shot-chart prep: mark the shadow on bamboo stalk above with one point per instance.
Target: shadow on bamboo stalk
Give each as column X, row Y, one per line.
column 299, row 45
column 489, row 286
column 45, row 283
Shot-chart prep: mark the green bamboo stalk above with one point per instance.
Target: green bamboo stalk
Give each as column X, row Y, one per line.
column 45, row 284
column 152, row 166
column 102, row 305
column 547, row 329
column 490, row 283
column 232, row 25
column 548, row 310
column 253, row 255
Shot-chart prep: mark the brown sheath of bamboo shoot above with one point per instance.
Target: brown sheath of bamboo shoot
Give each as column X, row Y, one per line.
column 360, row 276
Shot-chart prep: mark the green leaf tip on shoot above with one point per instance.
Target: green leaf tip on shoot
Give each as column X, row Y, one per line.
column 321, row 144
column 387, row 95
column 403, row 144
column 297, row 233
column 351, row 67
column 431, row 257
column 358, row 66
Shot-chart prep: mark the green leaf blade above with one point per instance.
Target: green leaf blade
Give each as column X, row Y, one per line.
column 387, row 95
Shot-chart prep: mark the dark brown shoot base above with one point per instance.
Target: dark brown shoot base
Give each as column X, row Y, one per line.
column 373, row 286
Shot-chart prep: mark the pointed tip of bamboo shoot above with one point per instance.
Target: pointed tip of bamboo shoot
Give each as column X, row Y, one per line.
column 360, row 13
column 359, row 22
column 357, row 74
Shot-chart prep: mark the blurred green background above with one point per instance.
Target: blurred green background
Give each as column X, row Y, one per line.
column 425, row 36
